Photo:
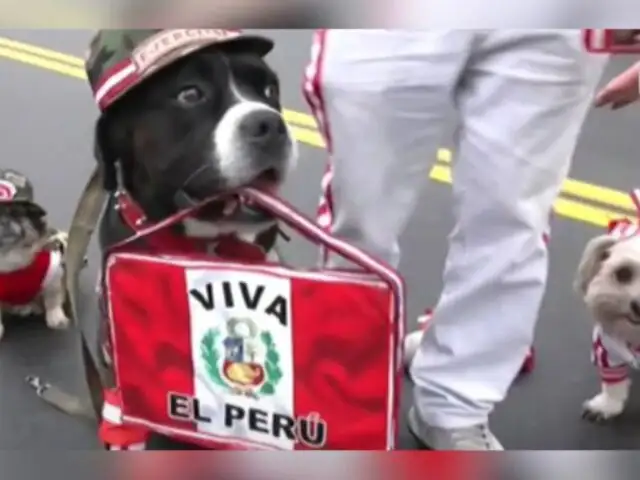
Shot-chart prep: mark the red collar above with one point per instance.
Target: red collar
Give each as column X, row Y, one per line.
column 227, row 246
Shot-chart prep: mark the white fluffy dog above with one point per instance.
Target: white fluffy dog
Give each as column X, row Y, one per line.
column 608, row 278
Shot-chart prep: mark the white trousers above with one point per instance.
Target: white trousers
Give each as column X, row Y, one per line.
column 381, row 98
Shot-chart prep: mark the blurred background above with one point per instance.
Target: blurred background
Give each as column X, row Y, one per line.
column 320, row 13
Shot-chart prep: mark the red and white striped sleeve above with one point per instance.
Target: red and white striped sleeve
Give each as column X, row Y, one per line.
column 612, row 367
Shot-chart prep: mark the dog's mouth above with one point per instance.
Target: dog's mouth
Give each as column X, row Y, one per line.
column 633, row 320
column 269, row 181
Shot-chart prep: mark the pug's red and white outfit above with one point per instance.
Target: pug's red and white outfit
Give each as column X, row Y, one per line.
column 22, row 286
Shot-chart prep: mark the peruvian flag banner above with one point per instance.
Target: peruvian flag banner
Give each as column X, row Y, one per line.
column 235, row 356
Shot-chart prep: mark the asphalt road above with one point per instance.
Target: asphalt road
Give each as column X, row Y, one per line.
column 47, row 122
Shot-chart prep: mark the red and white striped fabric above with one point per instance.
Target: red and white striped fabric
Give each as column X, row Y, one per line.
column 114, row 82
column 312, row 90
column 602, row 40
column 597, row 40
column 625, row 228
column 113, row 433
column 612, row 358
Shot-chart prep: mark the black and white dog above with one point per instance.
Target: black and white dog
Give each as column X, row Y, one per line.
column 207, row 124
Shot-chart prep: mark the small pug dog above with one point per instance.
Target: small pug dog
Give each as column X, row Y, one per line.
column 608, row 279
column 31, row 253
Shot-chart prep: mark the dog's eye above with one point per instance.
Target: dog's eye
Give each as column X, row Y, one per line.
column 624, row 274
column 190, row 95
column 271, row 91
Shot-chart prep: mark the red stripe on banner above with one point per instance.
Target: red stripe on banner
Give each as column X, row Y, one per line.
column 341, row 361
column 156, row 313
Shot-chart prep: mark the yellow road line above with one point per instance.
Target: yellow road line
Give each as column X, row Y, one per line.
column 42, row 62
column 302, row 119
column 564, row 207
column 41, row 52
column 72, row 67
column 576, row 188
column 304, row 135
column 304, row 128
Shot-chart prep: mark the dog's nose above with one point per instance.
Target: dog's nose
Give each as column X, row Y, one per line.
column 264, row 128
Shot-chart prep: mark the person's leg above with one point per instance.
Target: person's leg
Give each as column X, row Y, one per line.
column 522, row 104
column 380, row 98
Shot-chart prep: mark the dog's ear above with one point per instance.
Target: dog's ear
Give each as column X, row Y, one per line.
column 595, row 252
column 105, row 155
column 110, row 140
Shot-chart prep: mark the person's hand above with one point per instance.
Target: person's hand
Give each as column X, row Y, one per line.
column 622, row 90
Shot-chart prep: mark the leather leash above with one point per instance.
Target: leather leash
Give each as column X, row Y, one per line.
column 83, row 224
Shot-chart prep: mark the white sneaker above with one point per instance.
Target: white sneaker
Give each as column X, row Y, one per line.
column 477, row 437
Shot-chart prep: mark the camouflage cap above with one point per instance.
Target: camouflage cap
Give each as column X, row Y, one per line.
column 15, row 187
column 118, row 60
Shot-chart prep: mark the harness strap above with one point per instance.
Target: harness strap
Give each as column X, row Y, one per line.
column 83, row 224
column 226, row 246
column 136, row 220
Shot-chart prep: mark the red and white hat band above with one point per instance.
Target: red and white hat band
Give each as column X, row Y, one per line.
column 7, row 191
column 626, row 228
column 115, row 82
column 148, row 53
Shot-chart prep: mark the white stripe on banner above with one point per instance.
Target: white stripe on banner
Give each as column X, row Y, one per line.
column 229, row 348
column 113, row 81
column 111, row 414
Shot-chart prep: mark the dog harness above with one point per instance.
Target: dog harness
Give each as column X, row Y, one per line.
column 613, row 358
column 227, row 246
column 21, row 287
column 113, row 433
